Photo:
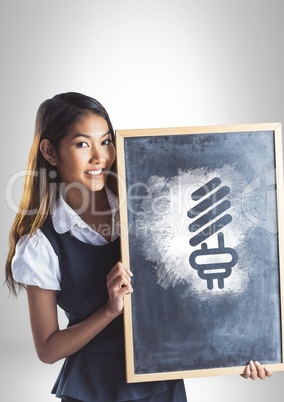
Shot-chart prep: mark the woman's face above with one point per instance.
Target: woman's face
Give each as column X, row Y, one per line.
column 85, row 156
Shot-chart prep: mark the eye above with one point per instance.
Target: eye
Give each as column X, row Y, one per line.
column 82, row 144
column 107, row 142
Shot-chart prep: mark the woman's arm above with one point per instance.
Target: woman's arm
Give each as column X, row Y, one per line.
column 53, row 344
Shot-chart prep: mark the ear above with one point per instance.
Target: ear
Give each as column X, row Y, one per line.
column 48, row 152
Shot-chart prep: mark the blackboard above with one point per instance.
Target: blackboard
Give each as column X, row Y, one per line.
column 202, row 224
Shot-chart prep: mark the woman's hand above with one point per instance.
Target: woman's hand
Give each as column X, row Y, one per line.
column 118, row 285
column 255, row 370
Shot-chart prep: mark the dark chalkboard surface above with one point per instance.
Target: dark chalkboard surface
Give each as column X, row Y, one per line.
column 200, row 214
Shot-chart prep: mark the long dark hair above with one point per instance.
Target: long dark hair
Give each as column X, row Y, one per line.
column 54, row 118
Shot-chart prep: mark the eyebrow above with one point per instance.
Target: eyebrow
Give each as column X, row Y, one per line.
column 89, row 136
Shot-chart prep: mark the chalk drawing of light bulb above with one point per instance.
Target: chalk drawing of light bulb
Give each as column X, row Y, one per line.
column 204, row 215
column 215, row 263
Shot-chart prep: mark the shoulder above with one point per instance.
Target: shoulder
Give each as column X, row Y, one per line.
column 35, row 262
column 32, row 243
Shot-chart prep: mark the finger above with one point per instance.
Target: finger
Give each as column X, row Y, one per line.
column 246, row 373
column 119, row 286
column 253, row 371
column 126, row 289
column 120, row 282
column 117, row 270
column 268, row 372
column 123, row 267
column 114, row 272
column 260, row 370
column 123, row 281
column 118, row 291
column 263, row 372
column 120, row 279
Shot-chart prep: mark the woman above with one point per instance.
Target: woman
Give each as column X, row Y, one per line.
column 65, row 250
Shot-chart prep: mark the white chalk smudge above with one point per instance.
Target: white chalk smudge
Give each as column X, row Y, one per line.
column 166, row 240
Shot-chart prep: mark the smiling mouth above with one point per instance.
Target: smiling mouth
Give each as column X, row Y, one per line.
column 93, row 172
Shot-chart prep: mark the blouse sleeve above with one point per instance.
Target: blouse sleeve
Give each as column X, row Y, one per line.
column 35, row 262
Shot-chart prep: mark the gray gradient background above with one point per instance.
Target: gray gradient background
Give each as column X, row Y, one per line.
column 156, row 63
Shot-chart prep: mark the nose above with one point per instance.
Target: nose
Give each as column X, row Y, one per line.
column 97, row 157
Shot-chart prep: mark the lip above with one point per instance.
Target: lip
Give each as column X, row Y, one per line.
column 94, row 173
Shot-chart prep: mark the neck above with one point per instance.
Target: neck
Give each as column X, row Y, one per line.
column 94, row 209
column 87, row 203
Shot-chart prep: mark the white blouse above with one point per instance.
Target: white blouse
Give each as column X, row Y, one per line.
column 35, row 261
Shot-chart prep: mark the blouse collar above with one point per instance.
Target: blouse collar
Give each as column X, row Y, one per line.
column 64, row 218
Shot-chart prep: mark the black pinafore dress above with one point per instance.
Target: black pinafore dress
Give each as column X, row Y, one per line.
column 96, row 373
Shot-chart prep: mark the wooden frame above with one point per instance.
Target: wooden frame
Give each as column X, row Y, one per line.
column 195, row 310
